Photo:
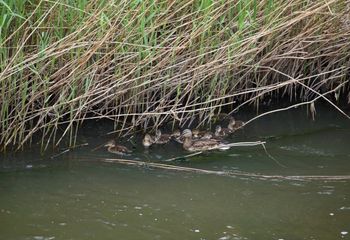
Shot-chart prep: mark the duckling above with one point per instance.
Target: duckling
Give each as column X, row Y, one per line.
column 177, row 136
column 199, row 145
column 207, row 135
column 222, row 132
column 115, row 148
column 234, row 125
column 197, row 134
column 161, row 138
column 147, row 141
column 176, row 133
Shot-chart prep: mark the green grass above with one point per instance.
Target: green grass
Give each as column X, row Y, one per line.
column 148, row 62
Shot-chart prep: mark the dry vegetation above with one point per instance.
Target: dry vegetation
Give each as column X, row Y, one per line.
column 142, row 62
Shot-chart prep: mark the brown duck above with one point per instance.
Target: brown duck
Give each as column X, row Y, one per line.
column 198, row 134
column 200, row 145
column 147, row 140
column 234, row 125
column 115, row 148
column 177, row 136
column 207, row 135
column 222, row 132
column 161, row 138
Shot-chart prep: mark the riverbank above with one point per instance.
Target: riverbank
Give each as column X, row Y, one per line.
column 142, row 64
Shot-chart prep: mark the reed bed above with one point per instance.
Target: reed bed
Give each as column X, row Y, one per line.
column 144, row 63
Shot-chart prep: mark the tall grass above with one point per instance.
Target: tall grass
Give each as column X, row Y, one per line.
column 141, row 63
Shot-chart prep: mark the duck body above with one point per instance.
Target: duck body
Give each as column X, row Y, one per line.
column 199, row 145
column 222, row 132
column 235, row 125
column 162, row 138
column 180, row 139
column 207, row 135
column 115, row 148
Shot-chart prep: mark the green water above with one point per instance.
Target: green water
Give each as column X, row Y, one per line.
column 75, row 196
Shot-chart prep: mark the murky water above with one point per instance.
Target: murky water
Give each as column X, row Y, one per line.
column 75, row 196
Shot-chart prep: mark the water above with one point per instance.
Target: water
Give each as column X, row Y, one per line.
column 75, row 196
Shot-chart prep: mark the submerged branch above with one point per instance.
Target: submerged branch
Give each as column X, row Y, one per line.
column 222, row 173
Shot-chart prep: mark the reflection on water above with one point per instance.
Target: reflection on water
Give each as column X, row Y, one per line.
column 75, row 196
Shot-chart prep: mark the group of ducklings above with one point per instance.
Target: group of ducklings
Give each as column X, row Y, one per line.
column 191, row 140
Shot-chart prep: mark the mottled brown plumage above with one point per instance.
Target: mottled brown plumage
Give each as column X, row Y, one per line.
column 207, row 135
column 177, row 136
column 222, row 132
column 198, row 134
column 161, row 138
column 234, row 125
column 199, row 145
column 115, row 148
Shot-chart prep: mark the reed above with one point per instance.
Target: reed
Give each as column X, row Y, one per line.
column 143, row 63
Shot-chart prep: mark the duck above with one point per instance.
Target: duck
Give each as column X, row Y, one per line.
column 115, row 148
column 234, row 125
column 147, row 141
column 207, row 135
column 222, row 132
column 177, row 136
column 198, row 134
column 199, row 145
column 161, row 138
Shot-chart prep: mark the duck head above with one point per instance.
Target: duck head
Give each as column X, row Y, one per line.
column 110, row 143
column 195, row 132
column 218, row 130
column 147, row 140
column 176, row 133
column 187, row 136
column 158, row 134
column 187, row 133
column 232, row 123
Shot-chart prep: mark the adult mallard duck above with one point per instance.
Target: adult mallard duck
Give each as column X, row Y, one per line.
column 115, row 148
column 147, row 140
column 161, row 138
column 199, row 145
column 234, row 125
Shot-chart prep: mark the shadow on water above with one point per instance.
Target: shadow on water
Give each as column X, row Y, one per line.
column 75, row 196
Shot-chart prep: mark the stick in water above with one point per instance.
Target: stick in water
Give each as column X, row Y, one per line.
column 223, row 173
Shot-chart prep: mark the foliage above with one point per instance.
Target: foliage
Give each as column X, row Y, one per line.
column 141, row 63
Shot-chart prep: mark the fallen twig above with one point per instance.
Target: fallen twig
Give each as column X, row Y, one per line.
column 68, row 150
column 223, row 173
column 181, row 157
